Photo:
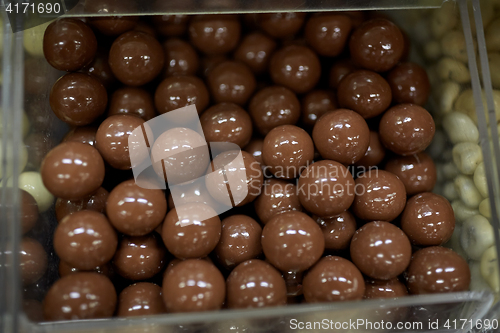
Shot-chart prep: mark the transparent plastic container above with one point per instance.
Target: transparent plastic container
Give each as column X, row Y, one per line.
column 26, row 82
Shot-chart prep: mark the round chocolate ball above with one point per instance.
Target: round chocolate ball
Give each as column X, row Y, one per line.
column 191, row 230
column 135, row 211
column 392, row 288
column 83, row 134
column 295, row 67
column 326, row 188
column 69, row 44
column 437, row 269
column 428, row 219
column 84, row 295
column 280, row 25
column 140, row 257
column 341, row 135
column 85, row 240
column 409, row 83
column 178, row 91
column 72, row 170
column 99, row 69
column 95, row 202
column 180, row 58
column 254, row 148
column 339, row 70
column 114, row 25
column 377, row 45
column 333, row 279
column 29, row 211
column 327, row 33
column 67, row 269
column 193, row 285
column 315, row 104
column 375, row 153
column 255, row 50
column 365, row 92
column 136, row 58
column 214, row 34
column 132, row 101
column 32, row 260
column 171, row 25
column 231, row 81
column 272, row 107
column 417, row 172
column 140, row 299
column 292, row 241
column 278, row 196
column 380, row 250
column 287, row 150
column 239, row 240
column 227, row 122
column 380, row 195
column 112, row 140
column 406, row 129
column 78, row 99
column 255, row 284
column 337, row 230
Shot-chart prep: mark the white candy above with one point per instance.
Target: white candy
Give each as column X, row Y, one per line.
column 432, row 50
column 450, row 170
column 33, row 43
column 467, row 156
column 494, row 62
column 437, row 145
column 489, row 268
column 453, row 45
column 451, row 69
column 492, row 36
column 444, row 19
column 9, row 156
column 461, row 211
column 465, row 103
column 480, row 180
column 460, row 128
column 32, row 183
column 467, row 191
column 446, row 94
column 25, row 121
column 449, row 191
column 477, row 282
column 485, row 208
column 476, row 236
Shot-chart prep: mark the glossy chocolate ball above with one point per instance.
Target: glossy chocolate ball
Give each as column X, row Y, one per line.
column 392, row 288
column 85, row 240
column 29, row 211
column 278, row 196
column 375, row 153
column 99, row 69
column 295, row 67
column 417, row 172
column 255, row 284
column 428, row 219
column 337, row 230
column 409, row 83
column 140, row 299
column 254, row 148
column 136, row 58
column 32, row 260
column 339, row 70
column 437, row 269
column 292, row 241
column 72, row 170
column 69, row 44
column 67, row 269
column 140, row 257
column 83, row 134
column 78, row 99
column 114, row 25
column 255, row 50
column 95, row 202
column 280, row 25
column 341, row 135
column 326, row 188
column 132, row 101
column 82, row 295
column 193, row 285
column 380, row 250
column 377, row 45
column 180, row 58
column 214, row 34
column 232, row 82
column 406, row 129
column 365, row 92
column 178, row 91
column 333, row 279
column 227, row 122
column 380, row 195
column 171, row 25
column 272, row 107
column 315, row 104
column 328, row 33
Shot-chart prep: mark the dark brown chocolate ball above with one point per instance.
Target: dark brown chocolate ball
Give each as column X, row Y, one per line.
column 231, row 81
column 326, row 188
column 280, row 25
column 292, row 241
column 254, row 148
column 272, row 107
column 32, row 260
column 136, row 58
column 333, row 279
column 214, row 34
column 85, row 240
column 278, row 196
column 380, row 250
column 132, row 101
column 67, row 269
column 406, row 129
column 428, row 219
column 337, row 230
column 140, row 299
column 95, row 202
column 114, row 25
column 99, row 69
column 180, row 58
column 341, row 135
column 72, row 170
column 380, row 195
column 437, row 269
column 29, row 211
column 374, row 154
column 339, row 70
column 392, row 288
column 295, row 67
column 417, row 172
column 377, row 45
column 82, row 295
column 83, row 134
column 193, row 285
column 255, row 51
column 315, row 104
column 365, row 92
column 78, row 99
column 409, row 83
column 178, row 91
column 69, row 44
column 328, row 33
column 255, row 284
column 171, row 25
column 140, row 257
